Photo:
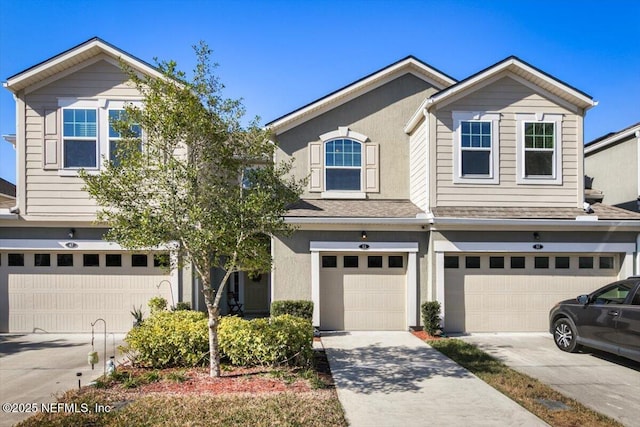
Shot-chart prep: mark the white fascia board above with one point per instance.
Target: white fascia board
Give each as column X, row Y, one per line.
column 64, row 245
column 315, row 246
column 131, row 61
column 372, row 82
column 536, row 222
column 368, row 221
column 611, row 140
column 525, row 247
column 59, row 245
column 504, row 66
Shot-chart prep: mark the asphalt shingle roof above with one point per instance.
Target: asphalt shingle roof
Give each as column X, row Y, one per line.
column 7, row 188
column 353, row 209
column 603, row 212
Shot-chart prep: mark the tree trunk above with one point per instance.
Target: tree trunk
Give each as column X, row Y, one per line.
column 214, row 352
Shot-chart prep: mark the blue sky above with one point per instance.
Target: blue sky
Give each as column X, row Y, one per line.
column 279, row 55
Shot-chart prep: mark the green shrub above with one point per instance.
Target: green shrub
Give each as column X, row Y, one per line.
column 431, row 317
column 272, row 341
column 168, row 339
column 157, row 304
column 182, row 305
column 298, row 308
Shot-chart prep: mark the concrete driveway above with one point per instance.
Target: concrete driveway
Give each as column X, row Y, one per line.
column 606, row 383
column 34, row 368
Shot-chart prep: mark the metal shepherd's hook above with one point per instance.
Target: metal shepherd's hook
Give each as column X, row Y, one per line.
column 104, row 356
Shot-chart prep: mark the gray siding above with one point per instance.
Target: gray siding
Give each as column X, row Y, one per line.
column 48, row 193
column 507, row 97
column 380, row 115
column 615, row 171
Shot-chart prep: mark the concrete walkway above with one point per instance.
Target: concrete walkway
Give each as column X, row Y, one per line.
column 36, row 368
column 395, row 379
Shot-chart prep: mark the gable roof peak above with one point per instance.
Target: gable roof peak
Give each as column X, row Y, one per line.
column 408, row 64
column 73, row 57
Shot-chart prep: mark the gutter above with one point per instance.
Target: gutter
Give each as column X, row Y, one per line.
column 578, row 222
column 342, row 220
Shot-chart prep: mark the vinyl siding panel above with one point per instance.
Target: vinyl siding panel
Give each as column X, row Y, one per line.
column 509, row 98
column 48, row 193
column 418, row 166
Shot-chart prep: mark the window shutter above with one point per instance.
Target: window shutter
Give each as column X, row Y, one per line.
column 371, row 168
column 51, row 140
column 316, row 167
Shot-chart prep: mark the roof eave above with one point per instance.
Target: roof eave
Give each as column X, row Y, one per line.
column 502, row 222
column 578, row 98
column 440, row 79
column 595, row 146
column 352, row 220
column 28, row 77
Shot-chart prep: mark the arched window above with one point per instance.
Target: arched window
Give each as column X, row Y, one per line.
column 343, row 165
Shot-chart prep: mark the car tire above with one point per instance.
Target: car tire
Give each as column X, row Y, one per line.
column 565, row 335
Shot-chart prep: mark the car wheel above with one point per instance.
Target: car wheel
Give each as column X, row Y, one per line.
column 564, row 335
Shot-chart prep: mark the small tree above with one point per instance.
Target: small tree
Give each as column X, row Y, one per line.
column 203, row 185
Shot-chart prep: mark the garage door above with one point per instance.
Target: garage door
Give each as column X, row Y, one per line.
column 514, row 293
column 53, row 292
column 363, row 292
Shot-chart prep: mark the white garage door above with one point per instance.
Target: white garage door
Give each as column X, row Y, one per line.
column 52, row 292
column 363, row 292
column 514, row 292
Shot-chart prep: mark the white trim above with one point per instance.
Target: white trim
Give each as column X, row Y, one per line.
column 556, row 176
column 528, row 247
column 505, row 223
column 343, row 194
column 440, row 285
column 315, row 286
column 494, row 150
column 637, row 135
column 410, row 248
column 635, row 130
column 506, row 65
column 427, row 159
column 343, row 132
column 315, row 246
column 627, row 265
column 59, row 245
column 412, row 290
column 93, row 44
column 356, row 220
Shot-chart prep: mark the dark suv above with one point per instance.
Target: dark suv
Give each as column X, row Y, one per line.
column 607, row 319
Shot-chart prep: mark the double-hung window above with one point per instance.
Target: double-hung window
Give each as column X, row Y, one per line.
column 343, row 165
column 80, row 138
column 475, row 145
column 88, row 135
column 116, row 149
column 539, row 148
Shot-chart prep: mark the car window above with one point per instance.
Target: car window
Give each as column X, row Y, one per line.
column 636, row 298
column 614, row 294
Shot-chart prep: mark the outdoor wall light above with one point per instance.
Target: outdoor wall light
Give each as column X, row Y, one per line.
column 364, row 235
column 72, row 232
column 536, row 236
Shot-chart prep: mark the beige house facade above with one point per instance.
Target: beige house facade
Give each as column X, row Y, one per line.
column 423, row 188
column 611, row 161
column 420, row 188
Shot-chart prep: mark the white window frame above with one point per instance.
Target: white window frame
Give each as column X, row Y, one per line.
column 79, row 104
column 494, row 153
column 344, row 133
column 556, row 177
column 114, row 106
column 102, row 107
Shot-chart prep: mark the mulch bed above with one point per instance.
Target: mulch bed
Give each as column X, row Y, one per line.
column 423, row 335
